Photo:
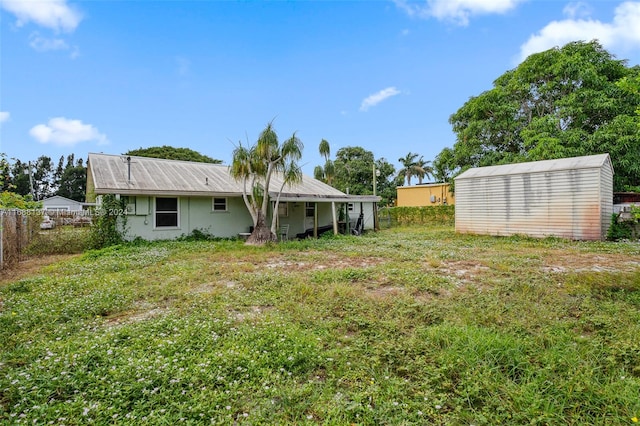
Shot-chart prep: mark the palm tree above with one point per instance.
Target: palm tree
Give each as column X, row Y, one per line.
column 408, row 166
column 326, row 173
column 422, row 169
column 255, row 167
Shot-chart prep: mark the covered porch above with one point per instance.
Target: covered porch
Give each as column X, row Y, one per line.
column 307, row 216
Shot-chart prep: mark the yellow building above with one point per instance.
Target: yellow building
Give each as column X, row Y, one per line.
column 429, row 194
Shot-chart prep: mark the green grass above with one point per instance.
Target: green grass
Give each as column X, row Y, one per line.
column 405, row 326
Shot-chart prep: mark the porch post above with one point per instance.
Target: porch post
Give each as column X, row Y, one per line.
column 315, row 220
column 333, row 216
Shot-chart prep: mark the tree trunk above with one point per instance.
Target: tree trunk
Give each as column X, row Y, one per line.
column 261, row 233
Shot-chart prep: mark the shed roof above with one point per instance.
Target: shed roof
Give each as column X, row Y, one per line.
column 572, row 163
column 60, row 199
column 153, row 176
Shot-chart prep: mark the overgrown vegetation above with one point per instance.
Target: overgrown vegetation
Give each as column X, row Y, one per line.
column 431, row 215
column 109, row 223
column 405, row 326
column 61, row 240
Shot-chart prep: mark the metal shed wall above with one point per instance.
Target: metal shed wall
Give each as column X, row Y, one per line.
column 574, row 203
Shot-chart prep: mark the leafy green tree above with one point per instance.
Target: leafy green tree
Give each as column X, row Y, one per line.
column 354, row 174
column 11, row 200
column 444, row 166
column 20, row 178
column 386, row 182
column 254, row 167
column 353, row 169
column 73, row 183
column 171, row 153
column 43, row 177
column 563, row 102
column 5, row 172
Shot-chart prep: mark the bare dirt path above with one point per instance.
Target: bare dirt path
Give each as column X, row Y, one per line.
column 31, row 266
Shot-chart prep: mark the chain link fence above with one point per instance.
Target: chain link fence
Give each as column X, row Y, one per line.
column 17, row 229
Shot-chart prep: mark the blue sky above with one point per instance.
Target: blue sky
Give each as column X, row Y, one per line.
column 110, row 76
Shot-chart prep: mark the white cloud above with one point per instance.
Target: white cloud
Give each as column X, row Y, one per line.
column 458, row 11
column 376, row 98
column 577, row 10
column 65, row 132
column 4, row 116
column 54, row 14
column 623, row 32
column 42, row 44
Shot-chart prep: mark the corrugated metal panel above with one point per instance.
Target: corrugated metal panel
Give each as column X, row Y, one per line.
column 568, row 203
column 572, row 163
column 152, row 176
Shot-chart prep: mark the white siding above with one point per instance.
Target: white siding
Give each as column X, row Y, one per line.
column 568, row 203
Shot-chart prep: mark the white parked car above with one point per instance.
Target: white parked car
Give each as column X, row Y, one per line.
column 47, row 223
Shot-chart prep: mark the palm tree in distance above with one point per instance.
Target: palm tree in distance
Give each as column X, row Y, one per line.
column 422, row 170
column 408, row 166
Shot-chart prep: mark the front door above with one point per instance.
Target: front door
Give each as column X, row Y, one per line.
column 309, row 215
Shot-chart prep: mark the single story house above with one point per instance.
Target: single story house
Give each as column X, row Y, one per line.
column 428, row 194
column 166, row 199
column 568, row 198
column 62, row 204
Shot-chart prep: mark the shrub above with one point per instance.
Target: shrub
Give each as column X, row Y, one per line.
column 618, row 230
column 61, row 241
column 109, row 225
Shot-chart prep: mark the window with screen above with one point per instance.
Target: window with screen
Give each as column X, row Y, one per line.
column 166, row 212
column 283, row 209
column 310, row 209
column 219, row 204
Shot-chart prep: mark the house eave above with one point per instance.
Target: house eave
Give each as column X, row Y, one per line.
column 105, row 191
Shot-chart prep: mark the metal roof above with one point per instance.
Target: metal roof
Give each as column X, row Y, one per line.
column 586, row 162
column 115, row 174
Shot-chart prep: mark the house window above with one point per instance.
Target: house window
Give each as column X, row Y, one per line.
column 166, row 212
column 283, row 209
column 310, row 209
column 219, row 204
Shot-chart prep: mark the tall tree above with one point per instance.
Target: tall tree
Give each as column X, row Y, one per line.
column 43, row 177
column 73, row 183
column 171, row 153
column 354, row 173
column 423, row 169
column 386, row 182
column 408, row 169
column 444, row 166
column 563, row 102
column 254, row 166
column 325, row 174
column 5, row 173
column 20, row 178
column 353, row 168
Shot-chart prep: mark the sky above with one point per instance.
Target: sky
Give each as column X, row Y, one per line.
column 111, row 76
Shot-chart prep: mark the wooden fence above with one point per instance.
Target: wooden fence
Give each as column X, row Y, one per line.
column 17, row 229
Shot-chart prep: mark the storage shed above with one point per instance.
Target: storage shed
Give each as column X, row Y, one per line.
column 568, row 198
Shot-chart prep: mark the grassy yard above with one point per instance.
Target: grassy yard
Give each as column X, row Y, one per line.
column 405, row 326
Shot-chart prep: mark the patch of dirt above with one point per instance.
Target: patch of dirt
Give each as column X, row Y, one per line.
column 464, row 270
column 250, row 313
column 328, row 261
column 31, row 266
column 385, row 291
column 579, row 262
column 142, row 312
column 210, row 287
